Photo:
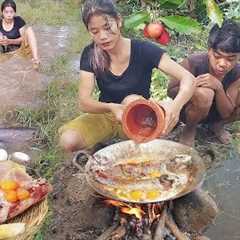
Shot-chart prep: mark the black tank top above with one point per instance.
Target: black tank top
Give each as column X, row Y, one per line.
column 199, row 64
column 136, row 79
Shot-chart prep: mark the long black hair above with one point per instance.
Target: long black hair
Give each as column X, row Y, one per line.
column 226, row 38
column 100, row 59
column 9, row 3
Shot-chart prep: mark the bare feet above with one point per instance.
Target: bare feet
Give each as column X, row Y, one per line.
column 36, row 63
column 188, row 135
column 222, row 135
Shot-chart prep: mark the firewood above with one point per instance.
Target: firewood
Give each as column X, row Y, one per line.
column 159, row 233
column 147, row 236
column 119, row 233
column 107, row 234
column 174, row 229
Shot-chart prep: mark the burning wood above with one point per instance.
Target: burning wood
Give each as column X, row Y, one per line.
column 152, row 221
column 143, row 221
column 121, row 231
column 174, row 229
column 159, row 233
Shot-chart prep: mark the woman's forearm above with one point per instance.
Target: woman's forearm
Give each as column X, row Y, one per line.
column 15, row 41
column 93, row 106
column 186, row 90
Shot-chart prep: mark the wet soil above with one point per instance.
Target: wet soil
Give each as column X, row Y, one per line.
column 17, row 139
column 78, row 212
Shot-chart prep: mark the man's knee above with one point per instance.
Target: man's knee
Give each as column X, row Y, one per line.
column 203, row 99
column 71, row 141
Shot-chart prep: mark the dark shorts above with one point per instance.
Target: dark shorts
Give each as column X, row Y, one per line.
column 9, row 48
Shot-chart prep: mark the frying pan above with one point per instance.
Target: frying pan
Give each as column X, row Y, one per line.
column 163, row 150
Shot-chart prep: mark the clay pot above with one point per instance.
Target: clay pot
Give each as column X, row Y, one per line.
column 143, row 120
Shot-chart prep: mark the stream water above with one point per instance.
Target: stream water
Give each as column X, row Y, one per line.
column 224, row 184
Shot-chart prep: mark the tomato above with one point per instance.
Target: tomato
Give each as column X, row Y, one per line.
column 11, row 196
column 165, row 38
column 22, row 194
column 8, row 184
column 154, row 30
column 145, row 32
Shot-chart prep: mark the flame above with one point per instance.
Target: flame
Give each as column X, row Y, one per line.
column 115, row 203
column 138, row 212
column 127, row 208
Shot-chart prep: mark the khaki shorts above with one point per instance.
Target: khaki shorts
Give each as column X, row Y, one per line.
column 95, row 128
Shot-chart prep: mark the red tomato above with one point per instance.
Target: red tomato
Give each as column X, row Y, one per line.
column 154, row 30
column 165, row 37
column 145, row 32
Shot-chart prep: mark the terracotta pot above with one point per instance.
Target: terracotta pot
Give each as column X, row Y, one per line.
column 143, row 120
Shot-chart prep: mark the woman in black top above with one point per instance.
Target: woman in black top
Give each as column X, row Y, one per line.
column 14, row 34
column 121, row 67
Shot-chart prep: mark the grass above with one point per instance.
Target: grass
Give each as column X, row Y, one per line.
column 60, row 99
column 49, row 12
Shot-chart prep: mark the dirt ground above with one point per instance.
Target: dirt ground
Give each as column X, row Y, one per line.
column 78, row 213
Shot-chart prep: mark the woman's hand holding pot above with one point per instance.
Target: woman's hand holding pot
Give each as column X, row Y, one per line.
column 117, row 110
column 172, row 113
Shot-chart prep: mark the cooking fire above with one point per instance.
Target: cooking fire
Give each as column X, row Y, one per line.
column 150, row 183
column 151, row 221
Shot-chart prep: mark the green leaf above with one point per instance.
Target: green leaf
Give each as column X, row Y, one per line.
column 38, row 236
column 214, row 12
column 170, row 3
column 175, row 2
column 136, row 19
column 182, row 24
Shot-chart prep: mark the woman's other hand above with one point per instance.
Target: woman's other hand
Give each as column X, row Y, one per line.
column 4, row 41
column 117, row 110
column 172, row 112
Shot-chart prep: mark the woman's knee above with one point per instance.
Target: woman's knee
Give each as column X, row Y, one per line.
column 29, row 34
column 71, row 141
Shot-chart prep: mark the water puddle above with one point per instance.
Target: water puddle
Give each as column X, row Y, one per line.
column 52, row 42
column 15, row 139
column 20, row 84
column 224, row 184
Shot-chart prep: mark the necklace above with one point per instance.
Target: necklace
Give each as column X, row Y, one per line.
column 7, row 26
